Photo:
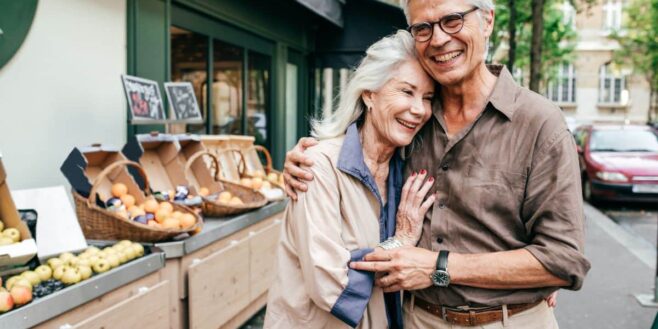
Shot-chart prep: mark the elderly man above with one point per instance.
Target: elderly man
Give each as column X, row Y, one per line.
column 507, row 227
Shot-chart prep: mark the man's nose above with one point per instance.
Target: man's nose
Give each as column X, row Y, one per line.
column 439, row 38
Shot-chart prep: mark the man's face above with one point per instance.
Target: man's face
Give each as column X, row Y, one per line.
column 450, row 58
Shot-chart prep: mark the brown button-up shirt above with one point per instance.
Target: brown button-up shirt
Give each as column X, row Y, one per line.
column 510, row 180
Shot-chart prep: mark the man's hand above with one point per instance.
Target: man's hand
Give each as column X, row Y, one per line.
column 413, row 207
column 406, row 268
column 293, row 174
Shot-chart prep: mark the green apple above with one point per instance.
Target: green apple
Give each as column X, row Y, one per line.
column 5, row 241
column 44, row 272
column 125, row 243
column 31, row 276
column 54, row 263
column 57, row 274
column 139, row 249
column 71, row 276
column 122, row 257
column 130, row 252
column 12, row 233
column 85, row 272
column 109, row 250
column 102, row 265
column 66, row 256
column 83, row 262
column 113, row 259
column 92, row 250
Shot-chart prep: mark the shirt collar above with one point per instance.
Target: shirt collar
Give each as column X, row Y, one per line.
column 351, row 159
column 504, row 94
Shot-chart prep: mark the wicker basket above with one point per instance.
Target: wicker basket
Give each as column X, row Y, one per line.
column 100, row 224
column 251, row 198
column 268, row 166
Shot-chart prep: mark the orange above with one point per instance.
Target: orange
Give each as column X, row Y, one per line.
column 171, row 223
column 166, row 206
column 119, row 190
column 204, row 191
column 128, row 200
column 151, row 206
column 187, row 220
column 161, row 215
column 153, row 223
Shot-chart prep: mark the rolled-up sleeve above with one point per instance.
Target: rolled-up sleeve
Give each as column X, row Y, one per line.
column 315, row 225
column 553, row 210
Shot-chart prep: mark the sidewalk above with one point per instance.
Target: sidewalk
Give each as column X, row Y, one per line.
column 622, row 265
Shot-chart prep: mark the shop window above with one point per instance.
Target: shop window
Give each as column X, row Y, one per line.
column 562, row 88
column 228, row 61
column 328, row 84
column 612, row 85
column 189, row 63
column 258, row 97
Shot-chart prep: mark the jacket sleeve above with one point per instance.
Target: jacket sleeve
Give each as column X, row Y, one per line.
column 314, row 224
column 553, row 210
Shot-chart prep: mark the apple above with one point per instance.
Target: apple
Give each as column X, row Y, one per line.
column 73, row 261
column 139, row 250
column 21, row 295
column 54, row 263
column 71, row 276
column 12, row 233
column 44, row 272
column 92, row 250
column 83, row 262
column 85, row 272
column 31, row 276
column 102, row 265
column 6, row 302
column 122, row 257
column 10, row 282
column 23, row 283
column 113, row 259
column 125, row 243
column 93, row 259
column 57, row 274
column 130, row 253
column 5, row 241
column 66, row 256
column 109, row 250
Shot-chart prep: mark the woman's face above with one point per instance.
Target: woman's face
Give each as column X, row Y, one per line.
column 402, row 106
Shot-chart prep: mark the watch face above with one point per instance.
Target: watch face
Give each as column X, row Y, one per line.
column 441, row 278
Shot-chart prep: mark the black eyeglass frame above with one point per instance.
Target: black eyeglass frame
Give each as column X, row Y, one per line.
column 441, row 21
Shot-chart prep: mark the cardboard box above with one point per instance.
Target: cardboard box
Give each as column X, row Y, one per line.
column 200, row 174
column 83, row 166
column 17, row 253
column 158, row 155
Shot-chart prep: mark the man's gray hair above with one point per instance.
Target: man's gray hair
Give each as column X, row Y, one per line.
column 376, row 69
column 486, row 5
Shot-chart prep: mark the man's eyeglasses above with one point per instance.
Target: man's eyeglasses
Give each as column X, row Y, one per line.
column 450, row 24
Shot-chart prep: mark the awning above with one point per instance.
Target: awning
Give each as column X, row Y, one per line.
column 329, row 9
column 365, row 21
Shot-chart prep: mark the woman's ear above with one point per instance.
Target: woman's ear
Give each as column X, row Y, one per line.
column 368, row 98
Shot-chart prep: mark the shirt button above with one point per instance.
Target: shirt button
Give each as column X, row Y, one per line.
column 445, row 167
column 439, row 239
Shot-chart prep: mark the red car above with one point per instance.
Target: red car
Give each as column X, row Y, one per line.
column 618, row 162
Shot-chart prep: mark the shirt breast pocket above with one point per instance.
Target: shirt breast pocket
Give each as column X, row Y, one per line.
column 494, row 191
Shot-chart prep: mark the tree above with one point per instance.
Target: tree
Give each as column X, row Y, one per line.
column 536, row 43
column 639, row 45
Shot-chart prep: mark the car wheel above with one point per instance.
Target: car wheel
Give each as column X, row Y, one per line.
column 587, row 190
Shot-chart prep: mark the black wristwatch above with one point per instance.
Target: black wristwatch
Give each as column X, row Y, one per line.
column 440, row 277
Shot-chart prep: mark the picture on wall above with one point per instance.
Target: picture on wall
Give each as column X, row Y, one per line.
column 183, row 101
column 144, row 99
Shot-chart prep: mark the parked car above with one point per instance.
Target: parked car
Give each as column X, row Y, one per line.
column 618, row 162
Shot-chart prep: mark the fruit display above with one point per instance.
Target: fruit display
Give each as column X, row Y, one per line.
column 153, row 212
column 268, row 185
column 65, row 270
column 8, row 235
column 225, row 197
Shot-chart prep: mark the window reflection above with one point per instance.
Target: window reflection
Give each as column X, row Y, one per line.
column 189, row 62
column 258, row 98
column 227, row 88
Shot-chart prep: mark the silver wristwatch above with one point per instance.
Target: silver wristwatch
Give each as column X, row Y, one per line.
column 390, row 243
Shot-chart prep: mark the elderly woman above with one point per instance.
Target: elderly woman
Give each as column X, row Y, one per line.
column 350, row 207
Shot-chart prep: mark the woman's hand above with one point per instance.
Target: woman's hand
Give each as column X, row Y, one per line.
column 293, row 174
column 413, row 207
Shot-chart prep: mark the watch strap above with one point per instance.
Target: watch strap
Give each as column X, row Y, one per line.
column 442, row 260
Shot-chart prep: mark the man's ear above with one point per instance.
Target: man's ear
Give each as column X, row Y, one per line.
column 367, row 97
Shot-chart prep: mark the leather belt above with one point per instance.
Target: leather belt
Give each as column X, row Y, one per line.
column 473, row 316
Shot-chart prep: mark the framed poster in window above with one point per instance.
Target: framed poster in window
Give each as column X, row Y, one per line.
column 144, row 99
column 183, row 102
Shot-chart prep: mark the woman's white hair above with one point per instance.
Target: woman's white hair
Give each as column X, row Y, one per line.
column 376, row 69
column 486, row 5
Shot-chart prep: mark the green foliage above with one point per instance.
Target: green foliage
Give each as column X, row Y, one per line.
column 559, row 37
column 639, row 40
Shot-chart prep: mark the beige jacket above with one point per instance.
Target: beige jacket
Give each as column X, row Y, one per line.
column 336, row 221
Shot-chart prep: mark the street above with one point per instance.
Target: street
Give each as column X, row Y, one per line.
column 638, row 219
